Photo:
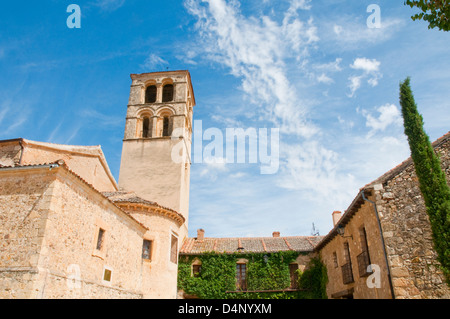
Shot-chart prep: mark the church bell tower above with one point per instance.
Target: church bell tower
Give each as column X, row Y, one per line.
column 156, row 149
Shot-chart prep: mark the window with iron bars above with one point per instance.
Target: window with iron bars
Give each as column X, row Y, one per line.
column 347, row 273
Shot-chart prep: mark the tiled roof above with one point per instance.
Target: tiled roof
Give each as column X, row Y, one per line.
column 125, row 198
column 193, row 246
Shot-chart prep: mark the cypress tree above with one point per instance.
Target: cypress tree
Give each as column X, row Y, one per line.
column 432, row 179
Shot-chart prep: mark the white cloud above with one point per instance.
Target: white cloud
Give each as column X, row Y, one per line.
column 346, row 124
column 260, row 51
column 312, row 169
column 101, row 118
column 330, row 67
column 10, row 121
column 256, row 50
column 350, row 32
column 355, row 84
column 154, row 62
column 366, row 65
column 212, row 166
column 4, row 110
column 370, row 69
column 323, row 78
column 109, row 5
column 324, row 68
column 388, row 115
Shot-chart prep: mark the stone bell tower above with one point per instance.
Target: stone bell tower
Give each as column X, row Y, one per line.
column 156, row 153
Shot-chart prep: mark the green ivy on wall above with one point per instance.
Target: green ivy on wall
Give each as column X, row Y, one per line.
column 217, row 279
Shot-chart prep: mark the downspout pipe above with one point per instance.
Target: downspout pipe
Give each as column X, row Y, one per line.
column 382, row 242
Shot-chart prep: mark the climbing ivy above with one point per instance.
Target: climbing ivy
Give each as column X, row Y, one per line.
column 314, row 280
column 217, row 279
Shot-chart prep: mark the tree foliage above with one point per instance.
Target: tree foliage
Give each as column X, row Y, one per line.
column 315, row 279
column 435, row 12
column 432, row 179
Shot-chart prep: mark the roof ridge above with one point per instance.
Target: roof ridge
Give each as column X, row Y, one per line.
column 309, row 240
column 287, row 243
column 397, row 169
column 264, row 244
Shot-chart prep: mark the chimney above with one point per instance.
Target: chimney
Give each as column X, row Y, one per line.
column 200, row 234
column 336, row 217
column 276, row 234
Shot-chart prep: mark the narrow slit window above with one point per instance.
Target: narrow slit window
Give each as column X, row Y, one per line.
column 364, row 257
column 147, row 250
column 100, row 239
column 150, row 94
column 335, row 260
column 347, row 271
column 174, row 249
column 347, row 253
column 293, row 270
column 241, row 277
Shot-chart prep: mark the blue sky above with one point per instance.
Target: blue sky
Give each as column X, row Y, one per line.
column 313, row 69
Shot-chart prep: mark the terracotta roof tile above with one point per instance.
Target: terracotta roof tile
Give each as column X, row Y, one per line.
column 192, row 246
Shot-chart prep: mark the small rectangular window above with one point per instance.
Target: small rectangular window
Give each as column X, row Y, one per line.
column 335, row 260
column 107, row 275
column 174, row 250
column 100, row 238
column 196, row 270
column 147, row 250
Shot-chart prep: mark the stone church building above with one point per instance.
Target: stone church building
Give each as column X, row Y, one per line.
column 69, row 230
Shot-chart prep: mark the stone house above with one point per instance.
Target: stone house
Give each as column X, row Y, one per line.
column 68, row 230
column 386, row 226
column 244, row 253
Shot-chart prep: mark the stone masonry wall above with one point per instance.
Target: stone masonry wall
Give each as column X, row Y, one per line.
column 365, row 217
column 24, row 208
column 49, row 221
column 159, row 274
column 89, row 167
column 76, row 214
column 407, row 232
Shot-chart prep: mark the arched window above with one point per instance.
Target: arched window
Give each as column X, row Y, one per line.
column 146, row 127
column 167, row 126
column 150, row 94
column 167, row 93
